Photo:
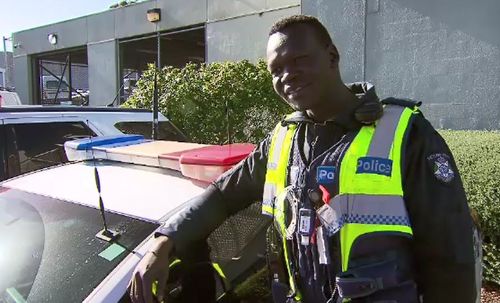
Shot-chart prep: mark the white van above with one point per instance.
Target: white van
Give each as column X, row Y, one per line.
column 33, row 136
column 50, row 86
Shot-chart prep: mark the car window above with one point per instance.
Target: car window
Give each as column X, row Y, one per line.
column 49, row 252
column 33, row 146
column 167, row 131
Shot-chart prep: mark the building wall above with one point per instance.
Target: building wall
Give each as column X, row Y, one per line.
column 23, row 77
column 445, row 53
column 344, row 19
column 111, row 24
column 103, row 87
column 99, row 29
column 243, row 37
column 8, row 69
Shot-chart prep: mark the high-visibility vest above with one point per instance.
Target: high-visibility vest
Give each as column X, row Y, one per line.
column 370, row 197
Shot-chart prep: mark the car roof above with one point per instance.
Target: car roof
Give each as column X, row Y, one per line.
column 103, row 118
column 148, row 193
column 62, row 108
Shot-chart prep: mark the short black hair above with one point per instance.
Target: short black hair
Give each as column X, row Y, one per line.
column 321, row 31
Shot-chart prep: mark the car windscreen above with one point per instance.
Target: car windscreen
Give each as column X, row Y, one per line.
column 48, row 248
column 166, row 130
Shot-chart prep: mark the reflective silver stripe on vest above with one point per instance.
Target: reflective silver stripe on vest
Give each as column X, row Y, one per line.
column 364, row 209
column 382, row 139
column 278, row 144
column 269, row 194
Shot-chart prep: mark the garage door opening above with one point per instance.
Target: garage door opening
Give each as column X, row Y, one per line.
column 176, row 49
column 62, row 78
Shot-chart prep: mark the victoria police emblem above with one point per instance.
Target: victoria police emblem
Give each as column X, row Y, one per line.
column 440, row 164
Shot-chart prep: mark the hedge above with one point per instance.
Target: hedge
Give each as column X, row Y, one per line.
column 199, row 98
column 477, row 154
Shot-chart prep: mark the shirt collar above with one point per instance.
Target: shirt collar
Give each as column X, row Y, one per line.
column 364, row 91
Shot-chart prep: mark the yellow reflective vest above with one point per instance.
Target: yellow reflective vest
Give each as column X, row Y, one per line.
column 370, row 196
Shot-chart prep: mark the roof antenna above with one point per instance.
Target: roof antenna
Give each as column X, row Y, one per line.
column 228, row 123
column 155, row 106
column 105, row 234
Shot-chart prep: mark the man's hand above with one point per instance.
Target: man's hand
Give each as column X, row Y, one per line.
column 152, row 267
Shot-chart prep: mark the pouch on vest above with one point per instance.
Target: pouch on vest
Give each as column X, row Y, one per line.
column 383, row 281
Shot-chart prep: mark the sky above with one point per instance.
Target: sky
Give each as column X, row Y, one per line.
column 17, row 15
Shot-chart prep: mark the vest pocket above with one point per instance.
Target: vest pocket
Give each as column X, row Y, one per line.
column 388, row 279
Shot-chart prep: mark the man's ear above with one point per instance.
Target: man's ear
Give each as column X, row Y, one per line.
column 334, row 55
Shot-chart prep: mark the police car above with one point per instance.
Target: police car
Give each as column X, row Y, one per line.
column 76, row 231
column 32, row 137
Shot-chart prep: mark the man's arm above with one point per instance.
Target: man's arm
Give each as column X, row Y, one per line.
column 233, row 191
column 440, row 218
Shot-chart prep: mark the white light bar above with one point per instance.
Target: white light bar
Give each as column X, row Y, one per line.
column 197, row 161
column 91, row 148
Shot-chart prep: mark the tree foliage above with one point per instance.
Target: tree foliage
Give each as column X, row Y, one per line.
column 204, row 100
column 122, row 4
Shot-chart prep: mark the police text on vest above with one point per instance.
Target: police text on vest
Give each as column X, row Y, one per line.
column 374, row 165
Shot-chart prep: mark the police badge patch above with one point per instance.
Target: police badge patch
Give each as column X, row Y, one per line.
column 440, row 164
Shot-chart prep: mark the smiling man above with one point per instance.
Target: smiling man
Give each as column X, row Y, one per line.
column 362, row 207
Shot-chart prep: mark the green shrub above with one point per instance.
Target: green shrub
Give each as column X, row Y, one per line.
column 477, row 154
column 196, row 98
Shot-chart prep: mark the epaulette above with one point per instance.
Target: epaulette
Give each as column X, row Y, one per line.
column 402, row 102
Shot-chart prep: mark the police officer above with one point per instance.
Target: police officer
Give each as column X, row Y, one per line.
column 367, row 202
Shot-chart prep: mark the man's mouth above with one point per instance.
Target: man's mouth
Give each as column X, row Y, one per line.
column 294, row 89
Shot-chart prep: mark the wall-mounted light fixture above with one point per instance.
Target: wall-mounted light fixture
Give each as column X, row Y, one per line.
column 52, row 37
column 154, row 15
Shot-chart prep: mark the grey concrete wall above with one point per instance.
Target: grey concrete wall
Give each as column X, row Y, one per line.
column 244, row 37
column 9, row 68
column 112, row 24
column 131, row 20
column 445, row 53
column 70, row 34
column 100, row 28
column 224, row 9
column 181, row 13
column 103, row 72
column 344, row 19
column 23, row 78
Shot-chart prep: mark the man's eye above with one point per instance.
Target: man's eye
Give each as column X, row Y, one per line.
column 276, row 72
column 302, row 60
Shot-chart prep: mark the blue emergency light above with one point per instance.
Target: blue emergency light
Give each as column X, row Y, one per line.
column 108, row 141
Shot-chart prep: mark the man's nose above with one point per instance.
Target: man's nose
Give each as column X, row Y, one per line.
column 289, row 74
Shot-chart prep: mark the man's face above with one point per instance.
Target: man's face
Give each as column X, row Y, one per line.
column 301, row 67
